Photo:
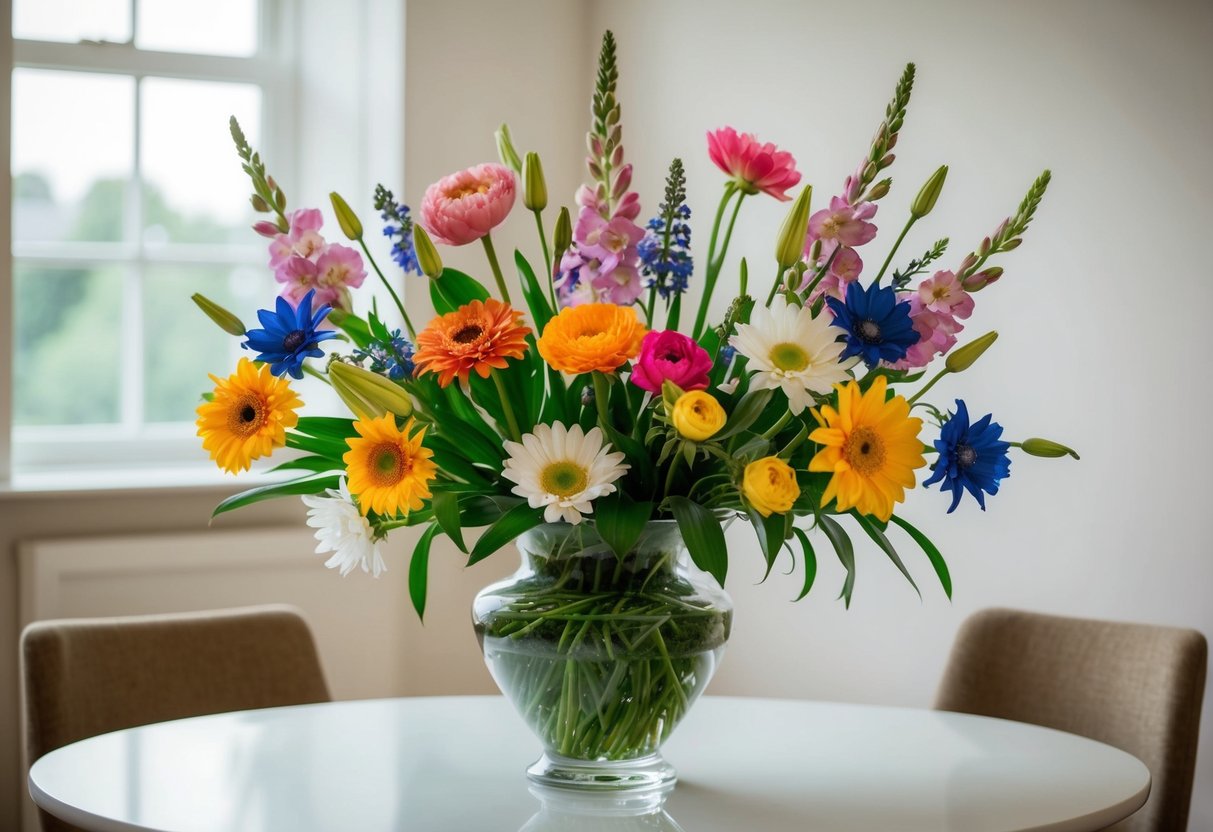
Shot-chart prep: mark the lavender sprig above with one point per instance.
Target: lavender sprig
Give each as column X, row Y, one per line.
column 398, row 227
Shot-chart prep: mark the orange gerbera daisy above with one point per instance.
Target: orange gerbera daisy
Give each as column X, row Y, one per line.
column 247, row 417
column 871, row 447
column 593, row 336
column 478, row 336
column 387, row 469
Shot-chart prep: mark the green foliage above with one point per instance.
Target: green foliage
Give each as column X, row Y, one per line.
column 419, row 567
column 620, row 521
column 703, row 536
column 455, row 289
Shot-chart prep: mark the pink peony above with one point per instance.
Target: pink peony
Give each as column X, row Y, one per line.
column 841, row 224
column 943, row 293
column 754, row 166
column 303, row 240
column 332, row 274
column 463, row 207
column 667, row 355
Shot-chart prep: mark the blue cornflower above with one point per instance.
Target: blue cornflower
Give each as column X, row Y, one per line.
column 289, row 335
column 878, row 325
column 971, row 457
column 392, row 357
column 398, row 227
column 668, row 269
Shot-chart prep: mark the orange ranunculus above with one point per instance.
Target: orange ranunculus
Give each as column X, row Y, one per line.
column 593, row 336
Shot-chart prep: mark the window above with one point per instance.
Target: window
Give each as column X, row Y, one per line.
column 127, row 196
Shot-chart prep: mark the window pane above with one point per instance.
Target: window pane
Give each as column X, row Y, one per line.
column 67, row 345
column 215, row 27
column 196, row 191
column 72, row 20
column 181, row 344
column 73, row 149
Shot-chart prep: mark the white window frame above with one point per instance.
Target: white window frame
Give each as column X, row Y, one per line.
column 133, row 442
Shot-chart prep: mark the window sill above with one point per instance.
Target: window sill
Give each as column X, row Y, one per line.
column 140, row 481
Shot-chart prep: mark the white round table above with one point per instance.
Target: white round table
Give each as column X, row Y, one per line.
column 457, row 763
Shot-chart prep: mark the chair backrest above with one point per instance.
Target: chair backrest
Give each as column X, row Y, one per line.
column 1133, row 686
column 85, row 677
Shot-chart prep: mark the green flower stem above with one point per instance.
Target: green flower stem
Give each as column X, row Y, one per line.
column 773, row 430
column 669, row 477
column 602, row 393
column 929, row 385
column 395, row 297
column 775, row 286
column 314, row 373
column 896, row 245
column 547, row 255
column 490, row 252
column 819, row 274
column 709, row 282
column 510, row 420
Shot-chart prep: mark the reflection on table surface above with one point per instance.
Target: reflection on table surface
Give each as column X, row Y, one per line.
column 564, row 810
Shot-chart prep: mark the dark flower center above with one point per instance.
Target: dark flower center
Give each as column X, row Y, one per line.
column 468, row 334
column 868, row 331
column 248, row 413
column 673, row 357
column 294, row 340
column 966, row 455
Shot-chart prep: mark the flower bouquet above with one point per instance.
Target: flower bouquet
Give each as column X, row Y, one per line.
column 609, row 432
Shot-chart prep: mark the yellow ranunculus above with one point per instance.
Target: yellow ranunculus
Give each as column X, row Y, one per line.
column 697, row 416
column 769, row 484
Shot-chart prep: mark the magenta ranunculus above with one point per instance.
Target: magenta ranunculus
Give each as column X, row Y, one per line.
column 463, row 207
column 667, row 355
column 753, row 165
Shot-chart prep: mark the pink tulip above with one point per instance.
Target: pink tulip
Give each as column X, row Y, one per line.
column 463, row 207
column 666, row 355
column 754, row 166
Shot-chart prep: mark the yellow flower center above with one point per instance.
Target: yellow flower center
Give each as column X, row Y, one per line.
column 789, row 357
column 247, row 416
column 864, row 451
column 468, row 334
column 468, row 190
column 939, row 292
column 564, row 479
column 388, row 465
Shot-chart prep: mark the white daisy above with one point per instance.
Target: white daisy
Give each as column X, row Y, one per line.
column 562, row 469
column 791, row 350
column 342, row 530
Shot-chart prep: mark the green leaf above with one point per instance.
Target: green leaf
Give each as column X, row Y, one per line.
column 810, row 561
column 455, row 289
column 536, row 298
column 419, row 569
column 620, row 520
column 329, row 448
column 445, row 505
column 514, row 522
column 353, row 326
column 317, row 464
column 771, row 532
column 315, row 484
column 326, row 427
column 868, row 525
column 703, row 536
column 846, row 553
column 937, row 561
column 747, row 411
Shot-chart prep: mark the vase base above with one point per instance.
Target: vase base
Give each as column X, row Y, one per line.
column 651, row 772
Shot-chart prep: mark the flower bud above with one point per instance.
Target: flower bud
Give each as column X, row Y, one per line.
column 979, row 281
column 963, row 358
column 562, row 238
column 259, row 204
column 351, row 226
column 266, row 228
column 1047, row 448
column 505, row 149
column 880, row 190
column 789, row 247
column 886, row 161
column 228, row 322
column 929, row 194
column 617, row 156
column 369, row 395
column 1011, row 245
column 535, row 197
column 427, row 255
column 623, row 178
column 697, row 415
column 769, row 485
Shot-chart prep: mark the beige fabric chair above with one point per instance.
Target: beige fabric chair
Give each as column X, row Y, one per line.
column 85, row 677
column 1133, row 686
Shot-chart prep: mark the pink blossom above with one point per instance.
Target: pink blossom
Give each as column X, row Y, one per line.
column 608, row 242
column 753, row 165
column 667, row 355
column 841, row 224
column 463, row 207
column 584, row 280
column 266, row 228
column 943, row 293
column 303, row 240
column 936, row 335
column 332, row 274
column 628, row 206
column 845, row 269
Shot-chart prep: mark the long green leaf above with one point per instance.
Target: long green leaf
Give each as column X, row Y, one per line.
column 316, row 464
column 880, row 540
column 810, row 561
column 419, row 569
column 454, row 289
column 445, row 505
column 620, row 521
column 933, row 554
column 703, row 536
column 511, row 524
column 354, row 327
column 770, row 531
column 326, row 427
column 845, row 551
column 329, row 448
column 536, row 298
column 746, row 413
column 315, row 484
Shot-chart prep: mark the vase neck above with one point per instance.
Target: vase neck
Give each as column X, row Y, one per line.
column 578, row 557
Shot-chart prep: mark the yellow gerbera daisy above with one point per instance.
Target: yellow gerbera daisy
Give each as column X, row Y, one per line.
column 388, row 470
column 593, row 336
column 248, row 416
column 871, row 447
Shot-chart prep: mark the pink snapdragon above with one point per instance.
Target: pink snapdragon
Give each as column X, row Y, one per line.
column 943, row 294
column 936, row 308
column 610, row 242
column 463, row 207
column 845, row 268
column 332, row 273
column 585, row 280
column 841, row 224
column 603, row 264
column 303, row 240
column 667, row 355
column 754, row 166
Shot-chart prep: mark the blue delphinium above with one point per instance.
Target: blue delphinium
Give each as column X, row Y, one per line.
column 289, row 335
column 398, row 227
column 665, row 254
column 878, row 325
column 392, row 357
column 971, row 456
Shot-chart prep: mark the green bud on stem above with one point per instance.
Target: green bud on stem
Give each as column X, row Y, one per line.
column 562, row 238
column 789, row 247
column 963, row 358
column 505, row 149
column 369, row 395
column 535, row 197
column 351, row 226
column 924, row 203
column 427, row 255
column 228, row 322
column 1046, row 448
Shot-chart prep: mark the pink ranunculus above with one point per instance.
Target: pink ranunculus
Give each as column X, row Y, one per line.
column 667, row 355
column 753, row 165
column 303, row 240
column 943, row 293
column 841, row 224
column 463, row 207
column 609, row 242
column 337, row 270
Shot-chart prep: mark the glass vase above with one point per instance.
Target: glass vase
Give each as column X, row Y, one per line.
column 602, row 654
